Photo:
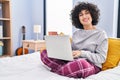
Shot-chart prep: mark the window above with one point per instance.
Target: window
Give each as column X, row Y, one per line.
column 57, row 16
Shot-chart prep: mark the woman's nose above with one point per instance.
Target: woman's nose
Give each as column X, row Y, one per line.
column 84, row 15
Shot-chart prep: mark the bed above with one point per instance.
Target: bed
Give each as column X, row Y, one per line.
column 30, row 67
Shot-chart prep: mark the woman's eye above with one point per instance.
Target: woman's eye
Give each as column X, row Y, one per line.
column 80, row 14
column 87, row 13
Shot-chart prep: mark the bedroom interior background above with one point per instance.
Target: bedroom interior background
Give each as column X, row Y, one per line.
column 32, row 12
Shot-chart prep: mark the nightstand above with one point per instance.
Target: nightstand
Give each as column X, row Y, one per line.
column 36, row 45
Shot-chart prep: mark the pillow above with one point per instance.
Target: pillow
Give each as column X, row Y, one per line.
column 113, row 56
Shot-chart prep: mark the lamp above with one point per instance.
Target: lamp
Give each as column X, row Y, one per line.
column 37, row 30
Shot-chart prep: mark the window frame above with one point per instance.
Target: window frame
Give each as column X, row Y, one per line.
column 118, row 27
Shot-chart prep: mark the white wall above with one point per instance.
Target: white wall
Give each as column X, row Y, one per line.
column 108, row 17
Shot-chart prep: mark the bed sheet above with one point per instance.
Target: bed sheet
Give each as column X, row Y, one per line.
column 30, row 67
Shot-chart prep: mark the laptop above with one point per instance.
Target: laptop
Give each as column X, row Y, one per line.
column 59, row 47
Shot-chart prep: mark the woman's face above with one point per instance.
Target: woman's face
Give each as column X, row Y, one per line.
column 85, row 18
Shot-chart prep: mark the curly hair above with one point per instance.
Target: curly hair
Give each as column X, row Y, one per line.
column 93, row 9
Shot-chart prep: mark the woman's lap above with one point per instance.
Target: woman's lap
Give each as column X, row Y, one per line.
column 77, row 68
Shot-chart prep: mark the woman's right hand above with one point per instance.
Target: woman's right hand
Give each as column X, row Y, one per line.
column 76, row 53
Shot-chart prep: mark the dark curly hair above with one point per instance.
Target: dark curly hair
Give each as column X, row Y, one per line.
column 93, row 9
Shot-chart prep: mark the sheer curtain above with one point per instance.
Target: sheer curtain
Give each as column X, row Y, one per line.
column 57, row 16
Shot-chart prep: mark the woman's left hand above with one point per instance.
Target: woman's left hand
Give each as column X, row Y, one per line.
column 76, row 53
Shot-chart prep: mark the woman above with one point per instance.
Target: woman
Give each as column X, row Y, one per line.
column 89, row 45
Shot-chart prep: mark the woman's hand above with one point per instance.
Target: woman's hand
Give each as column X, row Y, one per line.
column 76, row 53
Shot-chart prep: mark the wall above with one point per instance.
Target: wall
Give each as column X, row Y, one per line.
column 27, row 13
column 37, row 15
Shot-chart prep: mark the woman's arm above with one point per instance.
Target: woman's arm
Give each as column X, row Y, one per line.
column 100, row 54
